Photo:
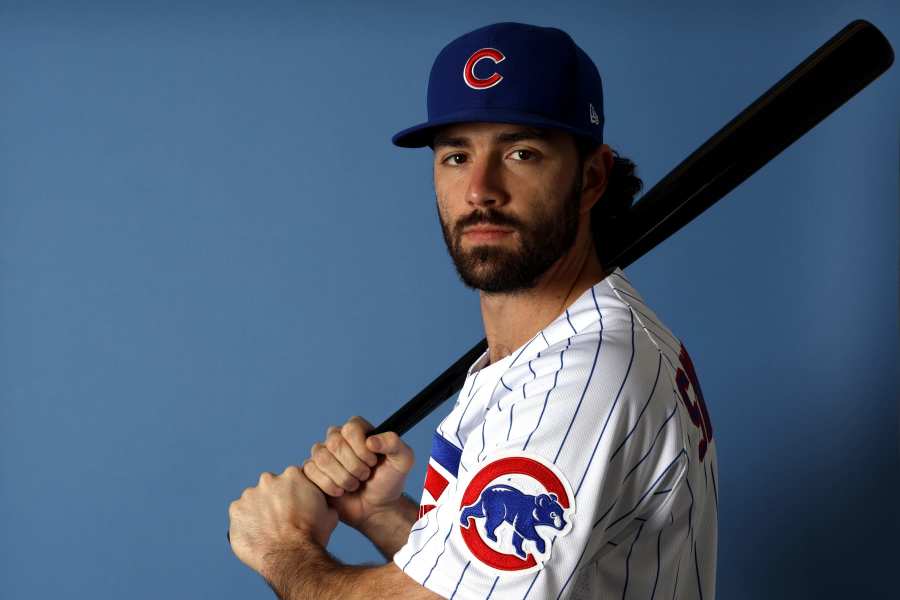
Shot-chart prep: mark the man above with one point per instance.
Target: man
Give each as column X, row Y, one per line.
column 578, row 461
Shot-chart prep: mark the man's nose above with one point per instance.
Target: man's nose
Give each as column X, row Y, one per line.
column 485, row 184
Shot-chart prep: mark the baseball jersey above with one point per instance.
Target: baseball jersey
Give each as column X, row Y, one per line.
column 582, row 465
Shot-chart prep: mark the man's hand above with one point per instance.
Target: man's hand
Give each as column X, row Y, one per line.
column 282, row 513
column 362, row 477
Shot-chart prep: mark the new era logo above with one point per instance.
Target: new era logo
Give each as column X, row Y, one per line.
column 594, row 118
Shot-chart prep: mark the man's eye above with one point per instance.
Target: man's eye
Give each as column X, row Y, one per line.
column 455, row 159
column 522, row 154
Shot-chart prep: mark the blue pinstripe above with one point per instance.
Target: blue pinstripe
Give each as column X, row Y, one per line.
column 659, row 338
column 677, row 572
column 453, row 595
column 687, row 480
column 444, row 549
column 413, row 555
column 603, row 516
column 653, row 443
column 427, row 522
column 652, row 485
column 570, row 320
column 646, row 404
column 528, row 591
column 590, row 376
column 525, row 347
column 611, row 410
column 658, row 561
column 496, row 579
column 465, row 410
column 712, row 472
column 628, row 560
column 474, row 379
column 662, row 329
column 546, row 398
column 697, row 568
column 483, row 423
column 674, row 369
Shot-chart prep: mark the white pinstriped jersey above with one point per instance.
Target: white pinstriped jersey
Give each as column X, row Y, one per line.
column 582, row 465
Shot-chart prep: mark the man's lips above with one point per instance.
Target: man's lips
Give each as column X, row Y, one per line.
column 484, row 233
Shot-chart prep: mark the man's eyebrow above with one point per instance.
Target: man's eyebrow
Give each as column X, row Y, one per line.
column 505, row 137
column 523, row 135
column 447, row 140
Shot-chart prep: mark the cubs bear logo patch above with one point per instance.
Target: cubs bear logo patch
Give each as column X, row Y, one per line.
column 513, row 508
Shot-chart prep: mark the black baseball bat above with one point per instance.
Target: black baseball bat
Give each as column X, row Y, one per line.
column 841, row 67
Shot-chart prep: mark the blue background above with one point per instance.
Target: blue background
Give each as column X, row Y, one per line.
column 209, row 252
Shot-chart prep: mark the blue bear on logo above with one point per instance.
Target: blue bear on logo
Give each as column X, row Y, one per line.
column 505, row 504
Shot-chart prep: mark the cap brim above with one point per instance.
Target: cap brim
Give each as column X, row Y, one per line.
column 420, row 135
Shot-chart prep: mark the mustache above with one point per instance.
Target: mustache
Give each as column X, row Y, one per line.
column 486, row 217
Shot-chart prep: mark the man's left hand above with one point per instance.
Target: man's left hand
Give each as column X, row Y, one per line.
column 282, row 513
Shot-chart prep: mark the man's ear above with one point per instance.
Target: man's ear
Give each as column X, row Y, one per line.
column 595, row 176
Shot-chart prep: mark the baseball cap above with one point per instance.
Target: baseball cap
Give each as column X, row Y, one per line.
column 512, row 73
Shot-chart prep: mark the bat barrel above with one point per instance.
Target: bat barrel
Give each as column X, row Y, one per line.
column 834, row 73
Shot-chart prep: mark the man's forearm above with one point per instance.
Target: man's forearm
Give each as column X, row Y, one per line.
column 389, row 530
column 308, row 572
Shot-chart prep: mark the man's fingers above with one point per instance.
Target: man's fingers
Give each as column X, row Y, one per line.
column 354, row 431
column 322, row 481
column 394, row 449
column 340, row 449
column 332, row 468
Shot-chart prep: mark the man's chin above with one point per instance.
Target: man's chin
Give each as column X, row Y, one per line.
column 492, row 277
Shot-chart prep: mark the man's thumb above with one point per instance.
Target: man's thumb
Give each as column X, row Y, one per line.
column 395, row 451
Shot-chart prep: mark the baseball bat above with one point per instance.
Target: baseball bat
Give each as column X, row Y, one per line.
column 841, row 67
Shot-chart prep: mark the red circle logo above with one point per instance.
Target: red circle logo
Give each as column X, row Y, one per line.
column 503, row 506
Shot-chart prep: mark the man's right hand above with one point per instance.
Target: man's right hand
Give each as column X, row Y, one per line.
column 360, row 476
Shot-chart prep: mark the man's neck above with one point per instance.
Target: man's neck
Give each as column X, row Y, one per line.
column 510, row 320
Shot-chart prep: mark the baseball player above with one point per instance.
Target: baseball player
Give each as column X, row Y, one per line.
column 579, row 460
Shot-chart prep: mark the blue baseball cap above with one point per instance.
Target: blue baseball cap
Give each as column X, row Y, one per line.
column 512, row 73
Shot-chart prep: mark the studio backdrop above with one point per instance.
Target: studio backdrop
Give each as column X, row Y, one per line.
column 210, row 251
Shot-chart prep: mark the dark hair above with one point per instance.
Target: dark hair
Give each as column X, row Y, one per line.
column 612, row 208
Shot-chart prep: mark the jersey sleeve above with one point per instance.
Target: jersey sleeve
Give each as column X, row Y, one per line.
column 576, row 450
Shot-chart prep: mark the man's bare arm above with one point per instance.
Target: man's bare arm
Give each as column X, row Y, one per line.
column 308, row 572
column 389, row 529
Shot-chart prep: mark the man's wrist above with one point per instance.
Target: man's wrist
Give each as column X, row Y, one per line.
column 293, row 572
column 389, row 529
column 401, row 510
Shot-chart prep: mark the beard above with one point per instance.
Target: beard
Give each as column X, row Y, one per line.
column 500, row 270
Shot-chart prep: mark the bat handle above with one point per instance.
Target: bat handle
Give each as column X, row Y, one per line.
column 433, row 395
